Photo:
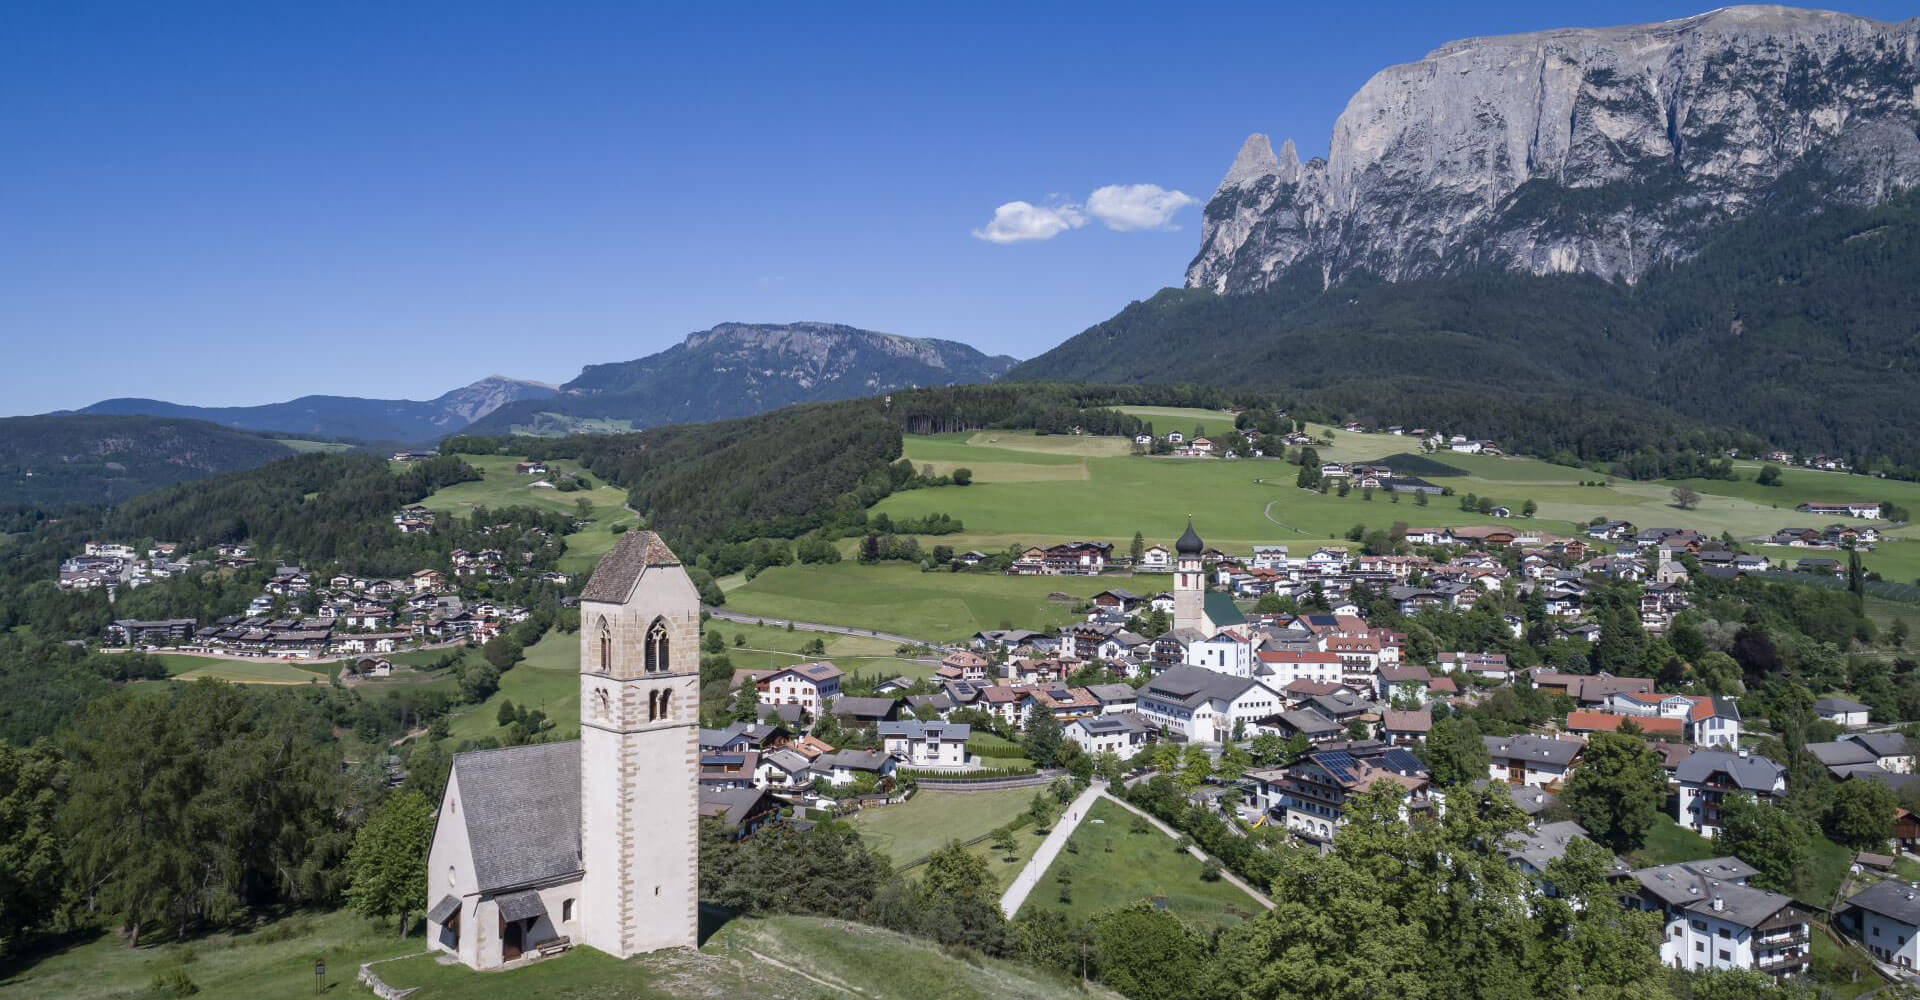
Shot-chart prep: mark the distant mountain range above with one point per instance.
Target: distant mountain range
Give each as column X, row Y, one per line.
column 739, row 369
column 89, row 458
column 389, row 420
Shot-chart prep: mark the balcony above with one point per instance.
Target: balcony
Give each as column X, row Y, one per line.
column 1782, row 936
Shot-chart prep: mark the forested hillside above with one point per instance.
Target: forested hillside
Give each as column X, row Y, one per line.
column 1795, row 326
column 66, row 458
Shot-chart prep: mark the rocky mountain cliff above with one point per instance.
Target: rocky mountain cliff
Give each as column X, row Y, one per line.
column 738, row 369
column 1600, row 151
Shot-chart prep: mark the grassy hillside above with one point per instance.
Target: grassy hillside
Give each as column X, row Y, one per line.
column 774, row 958
column 777, row 958
column 500, row 486
column 1110, row 862
column 1792, row 326
column 69, row 458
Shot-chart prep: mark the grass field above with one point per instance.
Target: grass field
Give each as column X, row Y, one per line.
column 548, row 680
column 187, row 667
column 275, row 961
column 503, row 487
column 771, row 958
column 774, row 958
column 1113, row 866
column 1669, row 842
column 1040, row 489
column 895, row 597
column 303, row 446
column 768, row 648
column 924, row 823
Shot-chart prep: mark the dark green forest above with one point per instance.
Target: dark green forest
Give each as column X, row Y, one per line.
column 74, row 458
column 1792, row 327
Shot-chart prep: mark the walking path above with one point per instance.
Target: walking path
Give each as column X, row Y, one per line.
column 1029, row 876
column 735, row 616
column 1050, row 848
column 1227, row 876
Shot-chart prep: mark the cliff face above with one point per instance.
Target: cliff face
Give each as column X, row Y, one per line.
column 1602, row 151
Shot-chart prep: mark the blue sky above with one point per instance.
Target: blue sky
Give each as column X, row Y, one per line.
column 245, row 203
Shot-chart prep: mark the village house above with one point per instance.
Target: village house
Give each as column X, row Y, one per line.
column 1314, row 792
column 1853, row 508
column 808, row 685
column 1844, row 712
column 1885, row 919
column 1122, row 734
column 1708, row 776
column 1714, row 920
column 1488, row 666
column 1280, row 668
column 926, row 744
column 1531, row 760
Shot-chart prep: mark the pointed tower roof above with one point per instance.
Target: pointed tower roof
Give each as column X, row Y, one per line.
column 1189, row 543
column 614, row 577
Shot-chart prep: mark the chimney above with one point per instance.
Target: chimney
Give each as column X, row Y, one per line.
column 1719, row 903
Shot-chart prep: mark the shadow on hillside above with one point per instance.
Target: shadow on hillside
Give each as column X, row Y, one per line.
column 39, row 949
column 712, row 918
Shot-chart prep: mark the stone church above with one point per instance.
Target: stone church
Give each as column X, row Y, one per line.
column 593, row 841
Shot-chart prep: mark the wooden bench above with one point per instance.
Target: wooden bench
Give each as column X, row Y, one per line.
column 552, row 946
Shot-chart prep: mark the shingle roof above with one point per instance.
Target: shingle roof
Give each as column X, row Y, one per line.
column 1893, row 899
column 1838, row 704
column 613, row 578
column 1189, row 686
column 1541, row 847
column 1840, row 753
column 1417, row 721
column 1533, row 749
column 1696, row 885
column 1753, row 773
column 1882, row 744
column 521, row 807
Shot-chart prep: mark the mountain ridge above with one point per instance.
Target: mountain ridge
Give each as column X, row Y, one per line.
column 357, row 417
column 1606, row 151
column 739, row 369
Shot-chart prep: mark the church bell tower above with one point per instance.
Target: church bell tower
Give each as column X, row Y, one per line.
column 1189, row 582
column 639, row 750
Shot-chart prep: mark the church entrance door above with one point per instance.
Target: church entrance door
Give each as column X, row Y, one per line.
column 513, row 940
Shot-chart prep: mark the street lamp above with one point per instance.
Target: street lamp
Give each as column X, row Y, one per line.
column 319, row 975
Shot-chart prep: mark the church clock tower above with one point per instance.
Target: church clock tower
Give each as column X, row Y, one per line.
column 639, row 750
column 1189, row 582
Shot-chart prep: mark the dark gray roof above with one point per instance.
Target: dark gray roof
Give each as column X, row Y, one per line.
column 865, row 708
column 1108, row 693
column 1534, row 749
column 520, row 905
column 1308, row 721
column 1893, row 899
column 1117, row 722
column 732, row 806
column 1826, row 705
column 613, row 578
column 446, row 907
column 854, row 760
column 1190, row 686
column 1541, row 847
column 1882, row 744
column 1753, row 773
column 926, row 730
column 1529, row 799
column 1694, row 886
column 521, row 807
column 1840, row 753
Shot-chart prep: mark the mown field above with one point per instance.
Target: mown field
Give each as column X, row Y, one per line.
column 767, row 647
column 1110, row 864
column 896, row 597
column 503, row 487
column 919, row 826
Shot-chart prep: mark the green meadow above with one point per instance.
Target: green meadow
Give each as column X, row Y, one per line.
column 896, row 597
column 1110, row 862
column 500, row 486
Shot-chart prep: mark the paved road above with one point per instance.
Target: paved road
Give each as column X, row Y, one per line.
column 734, row 616
column 1050, row 848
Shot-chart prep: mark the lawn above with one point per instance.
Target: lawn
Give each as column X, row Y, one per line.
column 274, row 961
column 1669, row 842
column 500, row 486
column 187, row 667
column 1185, row 420
column 1112, row 865
column 768, row 648
column 896, row 597
column 548, row 680
column 919, row 826
column 1843, row 972
column 770, row 958
column 303, row 446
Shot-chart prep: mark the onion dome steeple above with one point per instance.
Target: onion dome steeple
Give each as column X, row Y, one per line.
column 1189, row 543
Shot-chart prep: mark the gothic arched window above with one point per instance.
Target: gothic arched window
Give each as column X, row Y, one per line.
column 666, row 697
column 656, row 658
column 606, row 646
column 653, row 705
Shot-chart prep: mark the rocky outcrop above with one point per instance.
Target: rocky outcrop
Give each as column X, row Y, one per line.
column 1602, row 151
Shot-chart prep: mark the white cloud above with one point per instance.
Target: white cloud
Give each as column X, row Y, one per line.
column 1126, row 207
column 1019, row 222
